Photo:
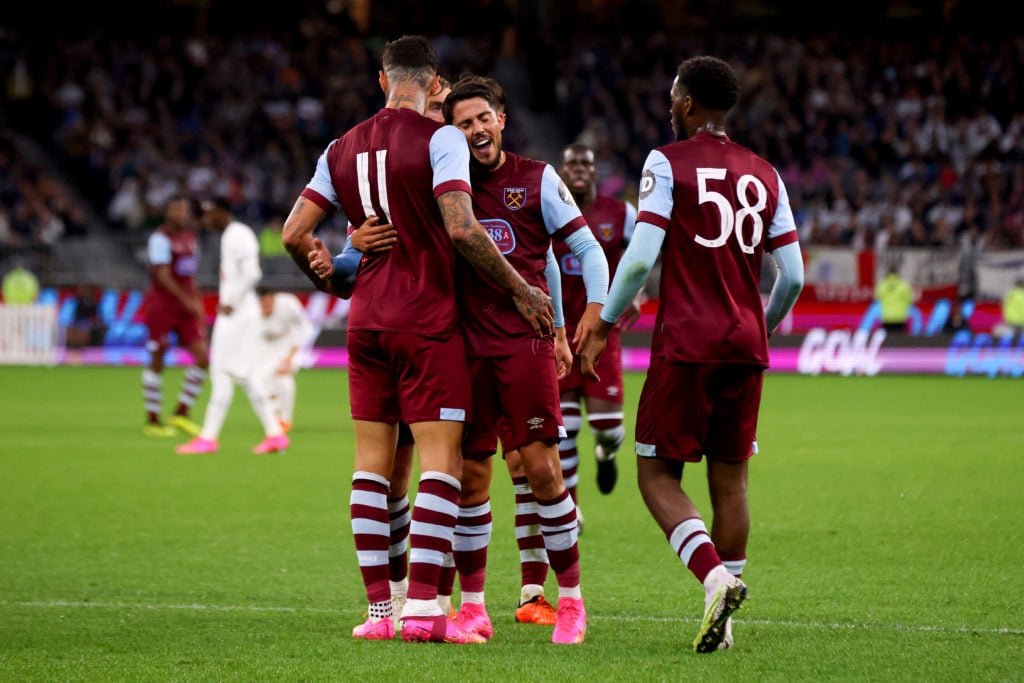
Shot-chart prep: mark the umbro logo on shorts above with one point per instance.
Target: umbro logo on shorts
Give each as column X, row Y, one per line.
column 535, row 422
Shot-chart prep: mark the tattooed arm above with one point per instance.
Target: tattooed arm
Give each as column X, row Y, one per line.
column 473, row 242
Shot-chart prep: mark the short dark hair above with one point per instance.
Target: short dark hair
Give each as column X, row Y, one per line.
column 410, row 58
column 577, row 147
column 710, row 81
column 264, row 289
column 180, row 197
column 220, row 202
column 470, row 86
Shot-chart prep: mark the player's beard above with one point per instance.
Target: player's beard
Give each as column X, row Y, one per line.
column 491, row 163
column 678, row 129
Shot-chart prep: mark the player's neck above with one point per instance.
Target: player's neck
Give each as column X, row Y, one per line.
column 407, row 96
column 712, row 127
column 585, row 200
column 478, row 169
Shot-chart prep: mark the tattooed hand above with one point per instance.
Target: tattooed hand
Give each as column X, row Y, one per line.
column 535, row 306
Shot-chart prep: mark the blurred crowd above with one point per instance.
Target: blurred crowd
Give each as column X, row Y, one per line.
column 36, row 211
column 917, row 143
column 244, row 117
column 880, row 142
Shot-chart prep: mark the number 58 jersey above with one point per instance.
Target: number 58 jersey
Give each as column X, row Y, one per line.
column 721, row 206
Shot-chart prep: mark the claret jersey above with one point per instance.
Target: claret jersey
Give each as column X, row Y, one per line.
column 377, row 168
column 711, row 309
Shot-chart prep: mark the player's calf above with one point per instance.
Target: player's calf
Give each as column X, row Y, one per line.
column 607, row 444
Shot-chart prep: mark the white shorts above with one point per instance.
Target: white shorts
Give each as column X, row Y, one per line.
column 235, row 342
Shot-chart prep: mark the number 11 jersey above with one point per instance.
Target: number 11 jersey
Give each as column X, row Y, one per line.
column 394, row 165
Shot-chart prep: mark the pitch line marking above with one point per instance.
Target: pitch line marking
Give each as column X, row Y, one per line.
column 820, row 625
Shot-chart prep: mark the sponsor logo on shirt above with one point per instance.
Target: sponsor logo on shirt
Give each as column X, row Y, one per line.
column 564, row 194
column 501, row 232
column 570, row 264
column 515, row 197
column 186, row 265
column 646, row 184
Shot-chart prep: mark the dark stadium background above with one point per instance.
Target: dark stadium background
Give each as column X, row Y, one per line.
column 590, row 69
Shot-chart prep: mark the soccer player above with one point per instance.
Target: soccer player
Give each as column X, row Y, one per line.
column 712, row 208
column 524, row 204
column 236, row 335
column 372, row 238
column 285, row 330
column 173, row 304
column 612, row 222
column 407, row 360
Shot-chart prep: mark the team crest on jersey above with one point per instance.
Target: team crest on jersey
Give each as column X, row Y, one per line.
column 515, row 197
column 606, row 231
column 501, row 232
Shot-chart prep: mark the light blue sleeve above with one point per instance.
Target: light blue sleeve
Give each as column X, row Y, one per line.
column 321, row 180
column 556, row 203
column 553, row 274
column 629, row 224
column 783, row 221
column 633, row 269
column 346, row 264
column 159, row 250
column 449, row 156
column 788, row 284
column 593, row 264
column 656, row 184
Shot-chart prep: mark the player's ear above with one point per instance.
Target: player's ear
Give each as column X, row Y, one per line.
column 501, row 121
column 435, row 85
column 688, row 106
column 382, row 78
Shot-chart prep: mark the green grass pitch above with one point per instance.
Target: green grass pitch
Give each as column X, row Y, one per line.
column 886, row 544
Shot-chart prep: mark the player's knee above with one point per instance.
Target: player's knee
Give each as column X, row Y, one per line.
column 610, row 437
column 572, row 424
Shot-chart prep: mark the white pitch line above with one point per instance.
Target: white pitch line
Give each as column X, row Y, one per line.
column 820, row 625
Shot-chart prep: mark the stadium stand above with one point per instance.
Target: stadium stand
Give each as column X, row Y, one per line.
column 884, row 139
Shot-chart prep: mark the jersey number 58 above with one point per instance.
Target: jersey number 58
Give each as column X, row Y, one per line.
column 732, row 218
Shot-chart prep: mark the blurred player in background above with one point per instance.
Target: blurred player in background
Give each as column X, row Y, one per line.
column 712, row 208
column 524, row 205
column 236, row 335
column 173, row 304
column 611, row 221
column 406, row 356
column 286, row 329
